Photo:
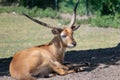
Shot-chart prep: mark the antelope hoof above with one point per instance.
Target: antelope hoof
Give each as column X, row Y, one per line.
column 78, row 69
column 52, row 75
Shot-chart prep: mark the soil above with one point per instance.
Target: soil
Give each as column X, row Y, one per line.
column 105, row 65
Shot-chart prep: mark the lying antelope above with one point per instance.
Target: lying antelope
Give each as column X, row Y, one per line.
column 47, row 58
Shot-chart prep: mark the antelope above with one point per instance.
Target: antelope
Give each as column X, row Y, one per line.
column 47, row 58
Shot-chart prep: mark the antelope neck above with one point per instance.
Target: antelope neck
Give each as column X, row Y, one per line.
column 58, row 48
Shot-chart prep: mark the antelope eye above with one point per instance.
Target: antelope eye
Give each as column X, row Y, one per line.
column 64, row 36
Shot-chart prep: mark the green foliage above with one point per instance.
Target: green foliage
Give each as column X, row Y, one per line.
column 48, row 12
column 103, row 7
column 106, row 21
column 39, row 3
column 106, row 12
column 103, row 21
column 106, row 7
column 66, row 6
column 5, row 9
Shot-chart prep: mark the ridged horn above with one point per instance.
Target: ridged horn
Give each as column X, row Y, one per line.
column 40, row 22
column 74, row 15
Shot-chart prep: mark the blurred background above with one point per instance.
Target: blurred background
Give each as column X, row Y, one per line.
column 106, row 12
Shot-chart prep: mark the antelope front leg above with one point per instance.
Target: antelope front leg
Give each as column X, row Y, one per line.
column 60, row 69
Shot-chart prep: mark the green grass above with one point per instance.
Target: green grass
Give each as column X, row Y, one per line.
column 35, row 11
column 18, row 33
column 96, row 20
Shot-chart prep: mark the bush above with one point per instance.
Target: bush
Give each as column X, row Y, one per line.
column 48, row 12
column 103, row 21
column 66, row 6
column 6, row 9
column 106, row 21
column 100, row 21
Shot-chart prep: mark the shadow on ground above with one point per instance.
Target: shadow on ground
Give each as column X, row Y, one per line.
column 107, row 56
column 4, row 66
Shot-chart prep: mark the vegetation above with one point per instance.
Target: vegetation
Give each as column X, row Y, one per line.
column 104, row 14
column 103, row 21
column 99, row 21
column 48, row 12
column 106, row 21
column 18, row 33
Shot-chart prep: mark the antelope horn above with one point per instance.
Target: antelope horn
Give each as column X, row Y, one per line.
column 40, row 22
column 74, row 15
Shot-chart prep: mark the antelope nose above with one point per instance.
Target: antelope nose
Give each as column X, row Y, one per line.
column 74, row 43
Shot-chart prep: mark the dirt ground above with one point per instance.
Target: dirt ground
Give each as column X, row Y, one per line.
column 105, row 65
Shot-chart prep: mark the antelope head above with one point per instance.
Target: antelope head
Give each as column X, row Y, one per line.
column 65, row 34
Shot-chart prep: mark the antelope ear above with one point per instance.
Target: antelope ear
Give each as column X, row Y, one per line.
column 75, row 27
column 56, row 31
